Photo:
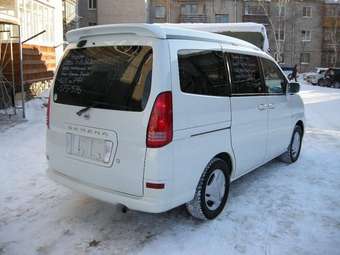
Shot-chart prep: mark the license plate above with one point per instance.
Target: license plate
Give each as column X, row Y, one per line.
column 89, row 148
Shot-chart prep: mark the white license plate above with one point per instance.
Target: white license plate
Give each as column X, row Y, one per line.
column 89, row 148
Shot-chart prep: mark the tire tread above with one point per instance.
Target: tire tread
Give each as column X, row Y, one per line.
column 194, row 206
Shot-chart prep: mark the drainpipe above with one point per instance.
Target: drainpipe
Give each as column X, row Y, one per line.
column 235, row 10
column 169, row 16
column 147, row 10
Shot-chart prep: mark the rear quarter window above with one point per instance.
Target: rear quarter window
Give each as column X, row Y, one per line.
column 203, row 72
column 110, row 77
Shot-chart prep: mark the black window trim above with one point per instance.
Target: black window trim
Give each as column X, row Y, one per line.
column 228, row 57
column 67, row 51
column 266, row 93
column 226, row 68
column 229, row 79
column 264, row 82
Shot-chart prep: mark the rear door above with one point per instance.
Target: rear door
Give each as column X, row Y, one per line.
column 249, row 112
column 201, row 108
column 99, row 116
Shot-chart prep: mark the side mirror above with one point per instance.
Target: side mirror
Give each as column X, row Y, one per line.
column 293, row 87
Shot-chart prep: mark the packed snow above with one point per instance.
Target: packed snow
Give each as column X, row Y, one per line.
column 277, row 209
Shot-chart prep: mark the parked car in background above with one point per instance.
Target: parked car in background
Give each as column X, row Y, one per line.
column 153, row 117
column 330, row 78
column 313, row 77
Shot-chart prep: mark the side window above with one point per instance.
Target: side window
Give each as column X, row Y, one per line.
column 245, row 73
column 273, row 78
column 202, row 72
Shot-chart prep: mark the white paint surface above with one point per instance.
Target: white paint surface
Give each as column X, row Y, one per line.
column 277, row 209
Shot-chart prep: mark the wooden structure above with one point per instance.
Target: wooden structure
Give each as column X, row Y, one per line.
column 37, row 62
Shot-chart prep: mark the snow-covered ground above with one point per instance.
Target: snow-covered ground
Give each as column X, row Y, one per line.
column 277, row 209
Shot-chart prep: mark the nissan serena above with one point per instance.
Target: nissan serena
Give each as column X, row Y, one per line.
column 153, row 117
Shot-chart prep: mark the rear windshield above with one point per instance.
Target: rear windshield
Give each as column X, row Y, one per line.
column 110, row 77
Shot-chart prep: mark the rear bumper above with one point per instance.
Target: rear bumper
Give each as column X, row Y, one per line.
column 156, row 202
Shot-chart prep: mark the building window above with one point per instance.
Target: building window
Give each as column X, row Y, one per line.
column 189, row 9
column 306, row 35
column 305, row 58
column 331, row 58
column 160, row 12
column 36, row 17
column 254, row 9
column 307, row 11
column 280, row 35
column 330, row 11
column 222, row 18
column 327, row 36
column 92, row 4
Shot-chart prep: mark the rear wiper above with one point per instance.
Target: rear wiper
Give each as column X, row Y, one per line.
column 81, row 111
column 97, row 103
column 86, row 108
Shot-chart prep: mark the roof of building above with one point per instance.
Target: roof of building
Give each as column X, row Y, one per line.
column 160, row 31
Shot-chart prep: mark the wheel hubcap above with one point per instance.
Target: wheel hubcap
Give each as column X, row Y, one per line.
column 215, row 189
column 296, row 144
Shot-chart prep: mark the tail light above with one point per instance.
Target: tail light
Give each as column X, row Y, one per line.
column 48, row 112
column 160, row 127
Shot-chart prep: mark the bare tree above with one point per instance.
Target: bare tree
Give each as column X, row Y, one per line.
column 333, row 39
column 281, row 6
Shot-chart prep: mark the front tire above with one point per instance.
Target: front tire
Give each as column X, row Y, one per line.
column 293, row 152
column 212, row 191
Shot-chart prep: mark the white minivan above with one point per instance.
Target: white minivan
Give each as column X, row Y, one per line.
column 153, row 117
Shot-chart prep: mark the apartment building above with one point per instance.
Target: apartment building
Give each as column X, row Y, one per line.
column 331, row 35
column 87, row 13
column 183, row 11
column 121, row 11
column 294, row 28
column 299, row 31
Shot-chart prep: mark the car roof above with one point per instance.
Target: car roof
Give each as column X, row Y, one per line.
column 166, row 32
column 160, row 31
column 221, row 28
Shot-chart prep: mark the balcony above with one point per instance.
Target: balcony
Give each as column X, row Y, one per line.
column 9, row 12
column 331, row 22
column 193, row 18
column 263, row 19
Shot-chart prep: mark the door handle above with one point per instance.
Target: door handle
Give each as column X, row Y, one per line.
column 262, row 107
column 271, row 106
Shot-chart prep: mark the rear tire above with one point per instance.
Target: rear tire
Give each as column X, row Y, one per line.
column 212, row 191
column 322, row 82
column 293, row 152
